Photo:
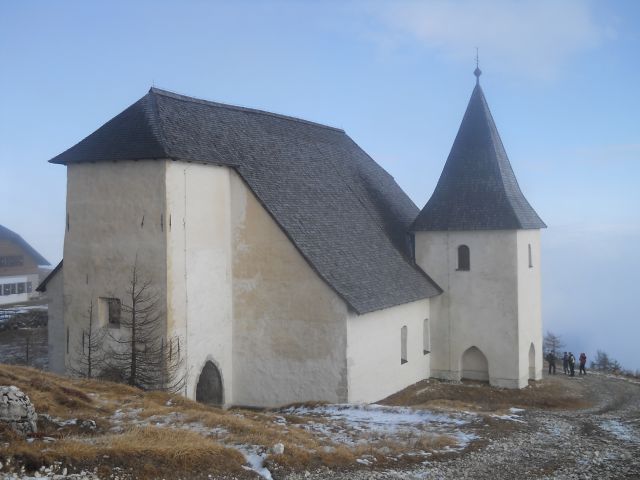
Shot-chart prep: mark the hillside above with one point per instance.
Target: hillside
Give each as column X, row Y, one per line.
column 432, row 429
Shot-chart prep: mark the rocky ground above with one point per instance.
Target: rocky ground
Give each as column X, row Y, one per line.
column 598, row 442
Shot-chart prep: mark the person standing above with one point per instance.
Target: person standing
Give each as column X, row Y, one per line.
column 572, row 364
column 583, row 362
column 565, row 363
column 551, row 358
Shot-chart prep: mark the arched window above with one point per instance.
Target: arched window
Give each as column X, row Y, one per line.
column 464, row 261
column 403, row 345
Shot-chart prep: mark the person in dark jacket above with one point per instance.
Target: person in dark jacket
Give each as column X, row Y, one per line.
column 572, row 364
column 551, row 358
column 583, row 362
column 565, row 363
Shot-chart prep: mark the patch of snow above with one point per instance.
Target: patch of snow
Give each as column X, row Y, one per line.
column 357, row 424
column 516, row 410
column 620, row 430
column 255, row 459
column 510, row 418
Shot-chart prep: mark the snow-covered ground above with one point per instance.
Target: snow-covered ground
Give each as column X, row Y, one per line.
column 353, row 425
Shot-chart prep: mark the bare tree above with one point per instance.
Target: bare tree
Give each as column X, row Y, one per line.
column 143, row 354
column 89, row 358
column 552, row 343
column 605, row 363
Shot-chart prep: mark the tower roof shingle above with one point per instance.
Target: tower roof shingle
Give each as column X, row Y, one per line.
column 477, row 189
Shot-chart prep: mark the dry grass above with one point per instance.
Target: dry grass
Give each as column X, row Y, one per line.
column 173, row 451
column 478, row 396
column 147, row 452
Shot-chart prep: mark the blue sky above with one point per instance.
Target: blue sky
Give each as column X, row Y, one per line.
column 561, row 79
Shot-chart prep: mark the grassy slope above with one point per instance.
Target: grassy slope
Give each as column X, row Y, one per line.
column 151, row 434
column 192, row 441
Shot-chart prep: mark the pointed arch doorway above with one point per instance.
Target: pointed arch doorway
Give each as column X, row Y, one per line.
column 475, row 365
column 209, row 389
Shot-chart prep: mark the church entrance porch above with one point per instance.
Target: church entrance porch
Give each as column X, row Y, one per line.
column 474, row 365
column 209, row 389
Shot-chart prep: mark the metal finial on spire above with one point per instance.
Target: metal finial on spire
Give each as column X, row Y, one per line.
column 477, row 72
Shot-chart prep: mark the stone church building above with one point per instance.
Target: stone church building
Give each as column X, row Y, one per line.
column 291, row 265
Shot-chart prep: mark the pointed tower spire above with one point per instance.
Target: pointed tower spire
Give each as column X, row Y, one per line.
column 477, row 189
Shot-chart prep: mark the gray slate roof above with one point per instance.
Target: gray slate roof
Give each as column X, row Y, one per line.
column 477, row 189
column 344, row 213
column 13, row 237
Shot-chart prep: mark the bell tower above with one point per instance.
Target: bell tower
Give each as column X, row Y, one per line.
column 479, row 239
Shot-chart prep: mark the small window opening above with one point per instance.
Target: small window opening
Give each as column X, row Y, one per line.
column 115, row 309
column 403, row 345
column 110, row 311
column 530, row 257
column 464, row 260
column 426, row 337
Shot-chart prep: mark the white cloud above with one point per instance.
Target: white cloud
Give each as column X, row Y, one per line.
column 533, row 38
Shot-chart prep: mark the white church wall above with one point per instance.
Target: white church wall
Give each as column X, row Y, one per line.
column 114, row 213
column 199, row 269
column 55, row 323
column 374, row 351
column 529, row 302
column 289, row 326
column 478, row 307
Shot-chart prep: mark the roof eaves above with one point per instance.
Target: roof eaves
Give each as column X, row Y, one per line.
column 43, row 285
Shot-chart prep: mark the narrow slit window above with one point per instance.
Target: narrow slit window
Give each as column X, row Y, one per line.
column 403, row 345
column 530, row 257
column 426, row 337
column 464, row 258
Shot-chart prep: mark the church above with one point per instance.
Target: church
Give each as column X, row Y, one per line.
column 290, row 264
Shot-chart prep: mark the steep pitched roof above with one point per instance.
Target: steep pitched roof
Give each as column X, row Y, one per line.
column 344, row 213
column 6, row 234
column 477, row 189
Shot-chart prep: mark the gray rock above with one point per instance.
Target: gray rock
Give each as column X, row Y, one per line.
column 17, row 411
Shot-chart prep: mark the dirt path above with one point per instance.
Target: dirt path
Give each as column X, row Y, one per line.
column 599, row 442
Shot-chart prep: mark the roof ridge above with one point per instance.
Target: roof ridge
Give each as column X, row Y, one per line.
column 156, row 126
column 186, row 98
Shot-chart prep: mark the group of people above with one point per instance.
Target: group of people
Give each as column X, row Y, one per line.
column 568, row 363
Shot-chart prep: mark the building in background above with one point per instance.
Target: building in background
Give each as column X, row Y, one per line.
column 20, row 268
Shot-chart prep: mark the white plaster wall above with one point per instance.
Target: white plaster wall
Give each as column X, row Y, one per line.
column 290, row 327
column 55, row 323
column 374, row 349
column 199, row 268
column 478, row 307
column 529, row 302
column 115, row 213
